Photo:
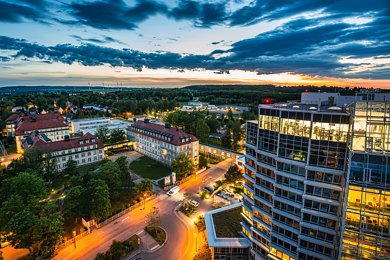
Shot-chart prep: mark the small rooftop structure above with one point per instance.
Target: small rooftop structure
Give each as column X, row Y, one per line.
column 223, row 227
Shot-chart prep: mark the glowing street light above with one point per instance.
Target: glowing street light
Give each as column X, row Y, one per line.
column 74, row 238
column 144, row 200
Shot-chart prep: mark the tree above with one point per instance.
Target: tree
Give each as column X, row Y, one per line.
column 202, row 130
column 27, row 185
column 71, row 168
column 37, row 226
column 202, row 161
column 117, row 135
column 182, row 166
column 100, row 204
column 233, row 174
column 124, row 175
column 237, row 134
column 48, row 231
column 154, row 218
column 73, row 202
column 117, row 250
column 110, row 172
column 213, row 123
column 144, row 186
column 102, row 133
column 248, row 115
column 226, row 141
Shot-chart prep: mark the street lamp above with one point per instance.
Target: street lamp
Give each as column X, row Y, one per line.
column 74, row 238
column 144, row 200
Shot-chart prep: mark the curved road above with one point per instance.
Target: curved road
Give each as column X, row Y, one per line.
column 181, row 231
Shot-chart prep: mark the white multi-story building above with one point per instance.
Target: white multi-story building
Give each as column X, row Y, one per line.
column 90, row 125
column 83, row 150
column 161, row 142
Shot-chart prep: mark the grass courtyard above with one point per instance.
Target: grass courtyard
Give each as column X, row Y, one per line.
column 227, row 223
column 149, row 168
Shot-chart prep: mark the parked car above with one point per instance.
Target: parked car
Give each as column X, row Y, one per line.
column 209, row 189
column 194, row 203
column 173, row 191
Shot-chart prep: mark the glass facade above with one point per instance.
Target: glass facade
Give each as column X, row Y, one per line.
column 367, row 218
column 296, row 174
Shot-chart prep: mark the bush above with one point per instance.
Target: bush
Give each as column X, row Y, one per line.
column 157, row 233
column 119, row 249
column 204, row 253
column 187, row 209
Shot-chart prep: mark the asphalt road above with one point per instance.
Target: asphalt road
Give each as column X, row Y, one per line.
column 180, row 229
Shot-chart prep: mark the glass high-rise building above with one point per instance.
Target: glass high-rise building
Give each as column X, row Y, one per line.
column 367, row 218
column 296, row 158
column 317, row 180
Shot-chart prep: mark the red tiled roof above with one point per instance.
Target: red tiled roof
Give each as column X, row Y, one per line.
column 77, row 142
column 12, row 117
column 177, row 136
column 43, row 121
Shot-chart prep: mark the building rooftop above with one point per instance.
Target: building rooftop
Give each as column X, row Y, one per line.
column 12, row 117
column 38, row 122
column 223, row 227
column 42, row 142
column 331, row 109
column 164, row 133
column 90, row 119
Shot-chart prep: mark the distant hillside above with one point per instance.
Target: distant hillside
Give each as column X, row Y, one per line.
column 41, row 89
column 263, row 88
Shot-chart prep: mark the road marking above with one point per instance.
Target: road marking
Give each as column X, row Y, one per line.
column 140, row 232
column 125, row 219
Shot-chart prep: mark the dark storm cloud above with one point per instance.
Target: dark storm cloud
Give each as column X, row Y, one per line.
column 114, row 14
column 203, row 14
column 267, row 10
column 19, row 11
column 303, row 45
column 92, row 55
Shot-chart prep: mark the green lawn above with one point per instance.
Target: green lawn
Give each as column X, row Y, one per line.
column 149, row 168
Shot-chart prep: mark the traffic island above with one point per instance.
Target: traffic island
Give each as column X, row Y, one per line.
column 187, row 209
column 157, row 233
column 120, row 249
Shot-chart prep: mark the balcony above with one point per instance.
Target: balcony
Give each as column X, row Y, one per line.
column 269, row 191
column 256, row 218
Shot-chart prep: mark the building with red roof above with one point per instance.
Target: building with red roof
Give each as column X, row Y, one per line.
column 52, row 125
column 83, row 150
column 162, row 142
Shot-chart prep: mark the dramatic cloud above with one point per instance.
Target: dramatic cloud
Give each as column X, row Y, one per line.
column 324, row 37
column 19, row 11
column 102, row 40
column 202, row 14
column 114, row 14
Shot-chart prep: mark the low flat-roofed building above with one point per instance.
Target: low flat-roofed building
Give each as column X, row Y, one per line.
column 90, row 125
column 83, row 150
column 224, row 233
